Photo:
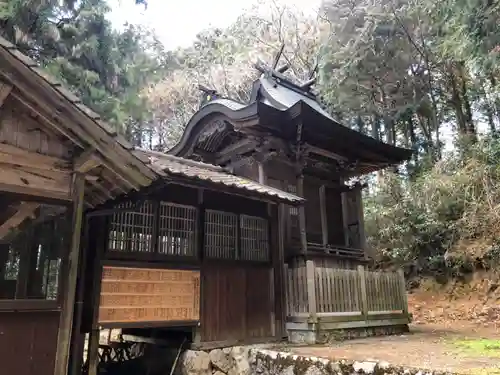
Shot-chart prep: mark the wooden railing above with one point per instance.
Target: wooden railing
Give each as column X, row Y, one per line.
column 316, row 292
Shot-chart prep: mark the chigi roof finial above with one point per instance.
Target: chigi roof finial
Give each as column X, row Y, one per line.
column 207, row 95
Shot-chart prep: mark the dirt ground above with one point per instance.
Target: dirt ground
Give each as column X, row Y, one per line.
column 461, row 348
column 455, row 328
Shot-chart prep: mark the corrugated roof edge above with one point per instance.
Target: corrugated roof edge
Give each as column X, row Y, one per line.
column 224, row 177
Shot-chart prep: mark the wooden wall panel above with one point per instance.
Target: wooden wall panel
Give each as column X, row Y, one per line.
column 236, row 302
column 258, row 302
column 312, row 208
column 28, row 342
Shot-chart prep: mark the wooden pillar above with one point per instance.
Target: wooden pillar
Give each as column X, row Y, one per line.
column 364, row 296
column 102, row 229
column 282, row 216
column 345, row 216
column 66, row 321
column 324, row 219
column 361, row 219
column 311, row 290
column 200, row 245
column 302, row 214
column 262, row 173
column 404, row 297
column 277, row 274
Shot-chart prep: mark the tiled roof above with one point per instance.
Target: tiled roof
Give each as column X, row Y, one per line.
column 168, row 164
column 143, row 167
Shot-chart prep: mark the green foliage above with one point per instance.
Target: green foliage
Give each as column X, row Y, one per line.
column 76, row 43
column 432, row 222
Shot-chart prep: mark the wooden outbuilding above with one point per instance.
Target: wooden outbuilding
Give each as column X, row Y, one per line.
column 96, row 234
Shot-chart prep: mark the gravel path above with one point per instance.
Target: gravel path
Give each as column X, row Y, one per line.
column 429, row 346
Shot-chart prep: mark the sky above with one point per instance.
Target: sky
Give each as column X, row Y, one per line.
column 176, row 22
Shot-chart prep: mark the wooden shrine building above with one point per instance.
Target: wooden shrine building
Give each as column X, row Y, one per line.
column 96, row 234
column 285, row 139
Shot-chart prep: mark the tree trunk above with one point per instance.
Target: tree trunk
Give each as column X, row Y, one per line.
column 456, row 102
column 470, row 127
column 360, row 124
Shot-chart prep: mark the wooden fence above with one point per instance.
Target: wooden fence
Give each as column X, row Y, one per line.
column 319, row 292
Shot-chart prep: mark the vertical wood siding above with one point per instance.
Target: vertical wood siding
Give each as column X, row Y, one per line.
column 28, row 342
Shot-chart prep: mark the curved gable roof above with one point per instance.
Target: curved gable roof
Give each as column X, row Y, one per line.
column 277, row 103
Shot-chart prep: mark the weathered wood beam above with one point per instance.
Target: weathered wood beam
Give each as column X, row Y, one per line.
column 47, row 121
column 86, row 161
column 239, row 162
column 5, row 90
column 325, row 153
column 242, row 146
column 13, row 155
column 32, row 181
column 73, row 119
column 25, row 210
column 72, row 138
column 98, row 186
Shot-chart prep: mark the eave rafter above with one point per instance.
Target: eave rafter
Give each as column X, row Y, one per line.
column 5, row 90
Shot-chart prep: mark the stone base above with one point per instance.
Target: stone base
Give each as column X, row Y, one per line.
column 259, row 361
column 312, row 334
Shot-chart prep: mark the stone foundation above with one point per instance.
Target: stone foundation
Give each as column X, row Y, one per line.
column 251, row 360
column 310, row 334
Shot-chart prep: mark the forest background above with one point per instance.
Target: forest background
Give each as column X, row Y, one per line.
column 421, row 74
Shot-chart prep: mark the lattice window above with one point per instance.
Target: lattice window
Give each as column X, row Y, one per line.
column 220, row 234
column 254, row 238
column 294, row 211
column 132, row 231
column 177, row 230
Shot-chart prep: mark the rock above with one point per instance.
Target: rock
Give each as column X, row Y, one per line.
column 334, row 367
column 289, row 370
column 313, row 370
column 218, row 373
column 220, row 360
column 240, row 361
column 195, row 362
column 364, row 367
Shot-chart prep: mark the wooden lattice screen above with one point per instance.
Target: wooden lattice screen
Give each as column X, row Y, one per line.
column 221, row 234
column 254, row 238
column 177, row 230
column 132, row 231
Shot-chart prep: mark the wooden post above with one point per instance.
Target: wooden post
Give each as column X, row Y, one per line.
column 322, row 211
column 402, row 286
column 311, row 290
column 364, row 297
column 345, row 216
column 286, row 284
column 281, row 297
column 95, row 330
column 66, row 321
column 361, row 219
column 262, row 173
column 200, row 246
column 302, row 214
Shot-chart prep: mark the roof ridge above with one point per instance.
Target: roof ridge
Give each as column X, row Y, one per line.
column 182, row 160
